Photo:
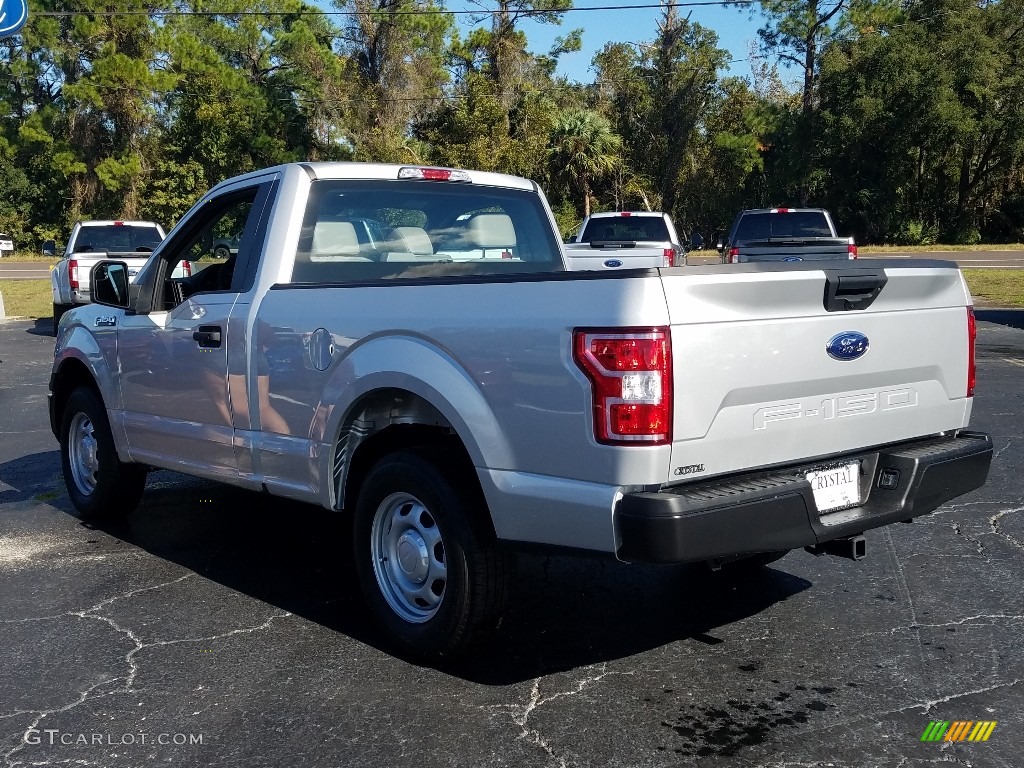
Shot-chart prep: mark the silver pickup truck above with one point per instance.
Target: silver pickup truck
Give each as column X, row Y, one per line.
column 625, row 240
column 456, row 409
column 91, row 242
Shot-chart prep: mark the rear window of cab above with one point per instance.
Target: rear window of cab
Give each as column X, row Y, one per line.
column 383, row 229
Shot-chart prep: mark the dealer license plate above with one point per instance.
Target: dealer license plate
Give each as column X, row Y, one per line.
column 836, row 487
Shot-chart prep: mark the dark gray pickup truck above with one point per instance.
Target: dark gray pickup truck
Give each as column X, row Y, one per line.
column 784, row 234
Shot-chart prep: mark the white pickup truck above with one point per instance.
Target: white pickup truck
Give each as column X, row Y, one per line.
column 91, row 242
column 455, row 409
column 625, row 240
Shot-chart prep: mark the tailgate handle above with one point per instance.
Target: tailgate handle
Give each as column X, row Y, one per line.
column 850, row 292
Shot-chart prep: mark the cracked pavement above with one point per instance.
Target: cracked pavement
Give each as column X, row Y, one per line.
column 232, row 621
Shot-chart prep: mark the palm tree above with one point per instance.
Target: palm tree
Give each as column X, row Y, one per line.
column 583, row 149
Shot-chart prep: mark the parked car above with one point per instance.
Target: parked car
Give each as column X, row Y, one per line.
column 625, row 240
column 455, row 410
column 6, row 245
column 784, row 234
column 224, row 247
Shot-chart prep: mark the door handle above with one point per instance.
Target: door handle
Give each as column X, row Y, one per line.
column 207, row 336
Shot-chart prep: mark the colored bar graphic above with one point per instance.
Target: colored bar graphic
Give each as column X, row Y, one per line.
column 959, row 730
column 982, row 730
column 935, row 731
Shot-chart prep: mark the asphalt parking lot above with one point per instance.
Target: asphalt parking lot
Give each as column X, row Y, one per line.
column 221, row 628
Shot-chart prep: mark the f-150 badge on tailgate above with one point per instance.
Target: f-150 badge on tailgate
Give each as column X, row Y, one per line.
column 848, row 345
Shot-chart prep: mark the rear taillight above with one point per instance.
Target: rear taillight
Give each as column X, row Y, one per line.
column 630, row 370
column 186, row 268
column 670, row 255
column 972, row 335
column 851, row 250
column 73, row 274
column 734, row 255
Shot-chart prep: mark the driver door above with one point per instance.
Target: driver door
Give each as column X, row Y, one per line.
column 174, row 372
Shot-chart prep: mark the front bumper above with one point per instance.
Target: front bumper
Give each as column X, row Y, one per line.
column 775, row 510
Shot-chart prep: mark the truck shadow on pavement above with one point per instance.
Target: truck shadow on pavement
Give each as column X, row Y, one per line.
column 42, row 326
column 565, row 612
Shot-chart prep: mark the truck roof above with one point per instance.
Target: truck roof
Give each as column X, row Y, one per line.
column 340, row 170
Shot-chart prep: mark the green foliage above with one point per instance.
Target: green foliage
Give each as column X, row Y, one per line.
column 908, row 120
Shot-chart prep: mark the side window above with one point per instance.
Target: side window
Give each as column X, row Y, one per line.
column 203, row 257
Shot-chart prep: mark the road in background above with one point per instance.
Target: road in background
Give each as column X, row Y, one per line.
column 24, row 270
column 221, row 627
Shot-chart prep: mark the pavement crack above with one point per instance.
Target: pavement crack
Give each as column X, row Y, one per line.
column 996, row 454
column 521, row 713
column 993, row 522
column 91, row 613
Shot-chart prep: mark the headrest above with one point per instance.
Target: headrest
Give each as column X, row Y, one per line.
column 492, row 230
column 333, row 238
column 416, row 239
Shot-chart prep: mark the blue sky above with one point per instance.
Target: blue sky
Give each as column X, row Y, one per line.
column 733, row 26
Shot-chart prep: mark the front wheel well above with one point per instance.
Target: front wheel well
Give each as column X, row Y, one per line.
column 71, row 375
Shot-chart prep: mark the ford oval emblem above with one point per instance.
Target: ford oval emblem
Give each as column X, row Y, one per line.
column 792, row 258
column 848, row 345
column 612, row 263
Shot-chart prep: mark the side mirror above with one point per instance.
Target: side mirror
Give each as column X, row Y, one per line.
column 49, row 248
column 109, row 284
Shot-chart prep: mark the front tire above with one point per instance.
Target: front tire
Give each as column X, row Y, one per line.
column 427, row 561
column 99, row 483
column 221, row 252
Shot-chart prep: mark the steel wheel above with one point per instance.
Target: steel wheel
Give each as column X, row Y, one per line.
column 83, row 453
column 425, row 555
column 408, row 557
column 98, row 482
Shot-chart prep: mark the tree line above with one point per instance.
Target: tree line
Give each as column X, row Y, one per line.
column 904, row 117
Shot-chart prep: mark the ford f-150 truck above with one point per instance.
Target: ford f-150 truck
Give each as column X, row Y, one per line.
column 89, row 243
column 785, row 234
column 454, row 409
column 625, row 240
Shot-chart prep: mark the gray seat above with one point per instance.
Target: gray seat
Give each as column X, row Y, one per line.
column 335, row 241
column 492, row 230
column 416, row 239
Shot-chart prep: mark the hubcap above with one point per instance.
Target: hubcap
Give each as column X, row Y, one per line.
column 408, row 557
column 83, row 453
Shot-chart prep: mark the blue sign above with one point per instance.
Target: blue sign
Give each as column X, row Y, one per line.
column 13, row 15
column 848, row 345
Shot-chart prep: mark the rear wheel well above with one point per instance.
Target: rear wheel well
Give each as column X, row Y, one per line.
column 389, row 421
column 399, row 437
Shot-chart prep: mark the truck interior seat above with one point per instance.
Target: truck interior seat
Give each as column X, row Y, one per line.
column 417, row 240
column 335, row 241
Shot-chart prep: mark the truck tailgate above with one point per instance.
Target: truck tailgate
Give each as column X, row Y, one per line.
column 756, row 386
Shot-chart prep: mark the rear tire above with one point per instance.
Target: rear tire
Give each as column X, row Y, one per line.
column 100, row 485
column 426, row 557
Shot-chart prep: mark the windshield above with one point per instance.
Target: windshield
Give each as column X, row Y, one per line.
column 626, row 228
column 117, row 238
column 371, row 230
column 762, row 226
